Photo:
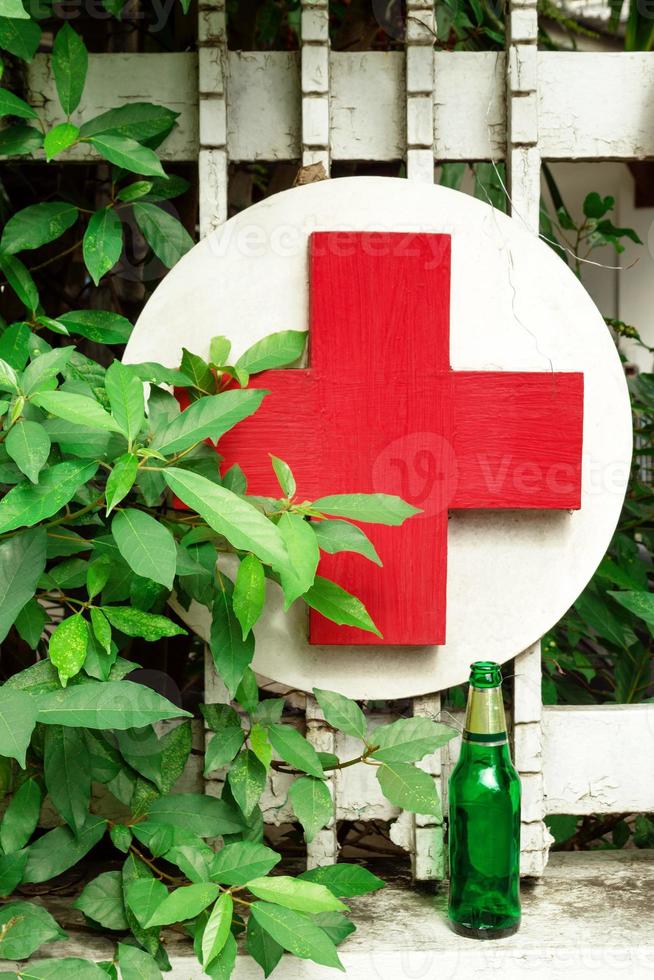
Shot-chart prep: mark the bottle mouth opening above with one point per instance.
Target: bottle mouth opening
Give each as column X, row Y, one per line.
column 485, row 673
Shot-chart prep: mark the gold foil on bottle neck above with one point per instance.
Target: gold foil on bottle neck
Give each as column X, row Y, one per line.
column 485, row 711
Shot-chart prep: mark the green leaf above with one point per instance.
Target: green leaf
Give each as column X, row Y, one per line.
column 62, row 969
column 98, row 325
column 184, row 903
column 68, row 645
column 297, row 934
column 344, row 880
column 121, row 837
column 303, row 552
column 12, row 869
column 260, row 743
column 336, row 925
column 336, row 536
column 219, row 348
column 134, row 870
column 375, row 508
column 197, row 369
column 60, row 138
column 197, row 814
column 342, row 713
column 19, row 37
column 102, row 901
column 19, row 140
column 134, row 622
column 146, row 545
column 8, row 378
column 127, row 153
column 136, row 964
column 240, row 522
column 26, row 504
column 12, row 105
column 60, row 849
column 77, row 409
column 114, row 704
column 249, row 592
column 21, row 817
column 409, row 739
column 238, row 863
column 97, row 575
column 138, row 120
column 20, row 281
column 409, row 788
column 222, row 749
column 17, row 719
column 284, row 476
column 44, row 368
column 223, row 965
column 262, row 947
column 22, row 560
column 247, row 692
column 125, row 392
column 143, row 897
column 133, row 191
column 207, row 418
column 336, row 604
column 28, row 444
column 247, row 781
column 294, row 749
column 30, row 623
column 103, row 243
column 165, row 189
column 175, row 748
column 595, row 206
column 231, row 653
column 69, row 65
column 13, row 8
column 217, row 928
column 597, row 614
column 641, row 604
column 67, row 770
column 37, row 225
column 23, row 928
column 121, row 480
column 292, row 893
column 277, row 350
column 312, row 804
column 166, row 236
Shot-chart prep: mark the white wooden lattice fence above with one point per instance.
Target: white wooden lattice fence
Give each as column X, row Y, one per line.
column 422, row 106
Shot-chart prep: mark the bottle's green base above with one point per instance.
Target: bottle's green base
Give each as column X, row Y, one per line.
column 471, row 933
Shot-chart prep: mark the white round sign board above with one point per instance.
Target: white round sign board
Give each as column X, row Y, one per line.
column 515, row 306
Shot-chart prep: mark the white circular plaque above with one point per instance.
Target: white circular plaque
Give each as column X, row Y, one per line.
column 515, row 306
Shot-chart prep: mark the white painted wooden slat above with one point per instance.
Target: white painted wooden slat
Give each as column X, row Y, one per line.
column 368, row 105
column 591, row 105
column 315, row 81
column 212, row 120
column 469, row 105
column 264, row 105
column 117, row 79
column 595, row 106
column 598, row 759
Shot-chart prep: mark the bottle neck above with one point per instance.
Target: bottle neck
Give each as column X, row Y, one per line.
column 485, row 722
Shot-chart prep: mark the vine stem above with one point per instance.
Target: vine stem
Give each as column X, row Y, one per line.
column 158, row 872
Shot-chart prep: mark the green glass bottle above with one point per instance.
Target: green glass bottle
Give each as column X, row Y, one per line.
column 484, row 809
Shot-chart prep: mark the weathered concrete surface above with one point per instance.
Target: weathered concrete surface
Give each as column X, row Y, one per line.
column 590, row 916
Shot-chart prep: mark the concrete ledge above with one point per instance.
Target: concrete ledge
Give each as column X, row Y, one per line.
column 590, row 916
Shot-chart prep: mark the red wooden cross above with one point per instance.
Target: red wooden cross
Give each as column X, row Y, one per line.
column 380, row 410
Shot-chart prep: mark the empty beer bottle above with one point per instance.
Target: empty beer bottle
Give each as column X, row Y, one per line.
column 484, row 826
